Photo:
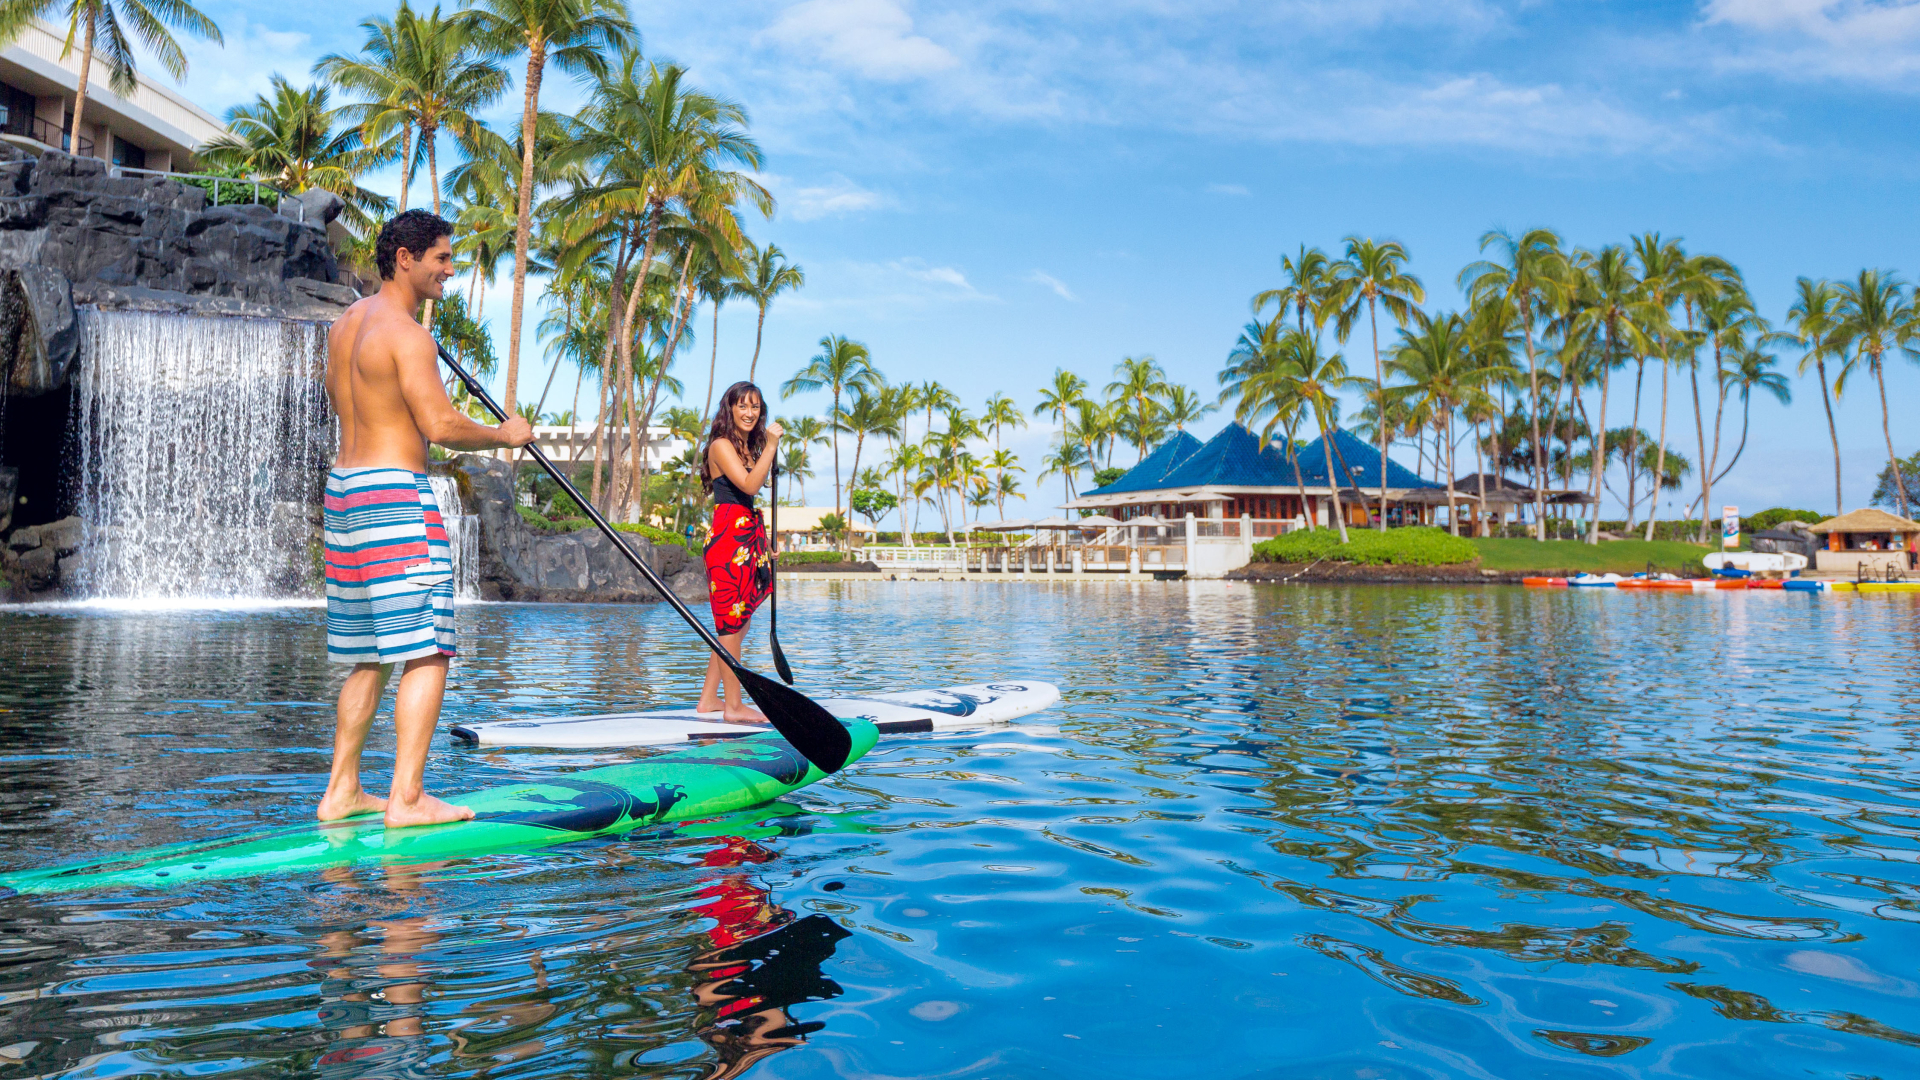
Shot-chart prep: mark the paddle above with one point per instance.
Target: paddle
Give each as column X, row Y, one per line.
column 811, row 729
column 773, row 577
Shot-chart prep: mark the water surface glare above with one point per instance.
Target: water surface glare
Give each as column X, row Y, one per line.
column 1272, row 832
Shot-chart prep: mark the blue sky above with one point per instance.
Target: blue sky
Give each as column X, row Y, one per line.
column 984, row 191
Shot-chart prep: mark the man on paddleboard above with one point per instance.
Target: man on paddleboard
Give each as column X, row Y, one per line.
column 389, row 567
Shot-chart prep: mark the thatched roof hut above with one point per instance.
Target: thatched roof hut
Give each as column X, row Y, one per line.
column 1868, row 520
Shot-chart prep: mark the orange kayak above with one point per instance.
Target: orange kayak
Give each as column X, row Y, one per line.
column 1731, row 583
column 1543, row 582
column 1766, row 583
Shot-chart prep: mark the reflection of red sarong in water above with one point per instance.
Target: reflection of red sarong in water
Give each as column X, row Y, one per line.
column 739, row 567
column 742, row 908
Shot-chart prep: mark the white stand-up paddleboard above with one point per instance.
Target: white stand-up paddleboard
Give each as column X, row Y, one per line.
column 916, row 710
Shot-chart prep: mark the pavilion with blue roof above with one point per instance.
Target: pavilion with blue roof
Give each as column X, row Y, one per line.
column 1234, row 474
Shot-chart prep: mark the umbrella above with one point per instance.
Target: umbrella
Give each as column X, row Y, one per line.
column 1430, row 497
column 1009, row 525
column 1100, row 521
column 1054, row 522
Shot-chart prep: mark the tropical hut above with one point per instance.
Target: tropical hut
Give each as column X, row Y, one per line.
column 1867, row 541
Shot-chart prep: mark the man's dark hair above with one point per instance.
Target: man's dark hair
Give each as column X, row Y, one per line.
column 415, row 230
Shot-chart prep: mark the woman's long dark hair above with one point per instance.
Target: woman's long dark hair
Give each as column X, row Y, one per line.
column 747, row 444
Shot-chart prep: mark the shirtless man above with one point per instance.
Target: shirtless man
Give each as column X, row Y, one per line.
column 389, row 568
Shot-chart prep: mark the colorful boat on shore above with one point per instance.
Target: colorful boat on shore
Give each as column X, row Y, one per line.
column 1595, row 581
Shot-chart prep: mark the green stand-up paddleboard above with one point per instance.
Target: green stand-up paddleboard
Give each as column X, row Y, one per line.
column 696, row 783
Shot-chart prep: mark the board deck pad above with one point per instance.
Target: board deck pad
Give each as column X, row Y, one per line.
column 694, row 783
column 976, row 705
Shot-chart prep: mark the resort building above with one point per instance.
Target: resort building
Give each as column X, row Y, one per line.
column 1233, row 475
column 659, row 446
column 800, row 529
column 1866, row 543
column 153, row 128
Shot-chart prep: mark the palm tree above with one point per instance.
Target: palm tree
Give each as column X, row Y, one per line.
column 1001, row 413
column 1436, row 359
column 574, row 36
column 102, row 26
column 720, row 279
column 1373, row 274
column 1752, row 369
column 768, row 274
column 418, row 73
column 1002, row 462
column 841, row 366
column 1138, row 385
column 1530, row 273
column 1310, row 283
column 869, row 413
column 1876, row 317
column 1815, row 316
column 288, row 138
column 1727, row 318
column 1181, row 406
column 795, row 462
column 1262, row 379
column 1061, row 397
column 1667, row 275
column 1065, row 459
column 1614, row 308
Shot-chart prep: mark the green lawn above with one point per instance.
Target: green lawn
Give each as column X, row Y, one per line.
column 1608, row 556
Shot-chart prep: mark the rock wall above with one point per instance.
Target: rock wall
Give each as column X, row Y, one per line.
column 519, row 562
column 71, row 233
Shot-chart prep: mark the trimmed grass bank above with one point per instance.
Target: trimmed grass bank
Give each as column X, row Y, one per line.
column 1607, row 557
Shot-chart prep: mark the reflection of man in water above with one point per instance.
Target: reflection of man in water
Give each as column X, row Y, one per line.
column 377, row 1020
column 764, row 962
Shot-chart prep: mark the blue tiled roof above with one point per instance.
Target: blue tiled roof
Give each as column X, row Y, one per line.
column 1149, row 474
column 1362, row 457
column 1236, row 458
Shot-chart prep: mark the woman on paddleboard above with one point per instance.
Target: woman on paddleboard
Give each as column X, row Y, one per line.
column 739, row 455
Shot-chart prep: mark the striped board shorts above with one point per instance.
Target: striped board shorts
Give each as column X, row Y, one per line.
column 389, row 568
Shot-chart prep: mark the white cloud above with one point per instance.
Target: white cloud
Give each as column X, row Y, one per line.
column 220, row 77
column 833, row 197
column 877, row 289
column 1041, row 277
column 1237, row 190
column 1868, row 41
column 874, row 38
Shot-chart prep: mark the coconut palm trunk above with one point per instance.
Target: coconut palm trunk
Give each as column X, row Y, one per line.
column 1453, row 513
column 1599, row 469
column 1833, row 432
column 1533, row 417
column 683, row 310
column 1886, row 426
column 1380, row 381
column 523, row 215
column 1660, row 457
column 92, row 16
column 1632, row 449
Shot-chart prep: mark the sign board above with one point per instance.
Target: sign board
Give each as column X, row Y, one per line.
column 1729, row 527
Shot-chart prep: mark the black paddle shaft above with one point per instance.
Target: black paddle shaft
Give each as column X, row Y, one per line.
column 811, row 729
column 773, row 576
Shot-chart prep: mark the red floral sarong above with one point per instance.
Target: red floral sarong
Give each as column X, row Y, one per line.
column 739, row 567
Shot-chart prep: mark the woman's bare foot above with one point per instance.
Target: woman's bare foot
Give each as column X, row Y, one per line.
column 426, row 810
column 743, row 714
column 710, row 708
column 334, row 806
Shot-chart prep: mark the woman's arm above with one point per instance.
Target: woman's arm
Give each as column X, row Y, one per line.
column 724, row 457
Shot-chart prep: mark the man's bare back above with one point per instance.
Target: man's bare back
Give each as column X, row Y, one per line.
column 389, row 596
column 383, row 376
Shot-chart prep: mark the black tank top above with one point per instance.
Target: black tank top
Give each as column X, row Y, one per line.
column 725, row 493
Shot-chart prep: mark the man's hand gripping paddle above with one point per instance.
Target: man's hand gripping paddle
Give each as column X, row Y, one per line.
column 773, row 578
column 811, row 729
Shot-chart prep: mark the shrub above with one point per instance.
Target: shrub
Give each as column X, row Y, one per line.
column 1767, row 519
column 1414, row 546
column 657, row 535
column 808, row 558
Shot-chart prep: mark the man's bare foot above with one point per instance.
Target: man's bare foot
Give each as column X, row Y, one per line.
column 333, row 806
column 426, row 810
column 743, row 714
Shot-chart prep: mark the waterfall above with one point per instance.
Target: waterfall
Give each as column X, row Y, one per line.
column 463, row 536
column 202, row 447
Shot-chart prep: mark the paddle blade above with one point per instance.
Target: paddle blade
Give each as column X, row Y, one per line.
column 780, row 659
column 811, row 729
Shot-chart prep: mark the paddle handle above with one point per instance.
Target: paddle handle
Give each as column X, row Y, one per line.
column 538, row 455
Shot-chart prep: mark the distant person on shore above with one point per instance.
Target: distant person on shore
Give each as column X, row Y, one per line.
column 389, row 567
column 739, row 455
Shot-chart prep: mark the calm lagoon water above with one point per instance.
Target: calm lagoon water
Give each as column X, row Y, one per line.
column 1271, row 832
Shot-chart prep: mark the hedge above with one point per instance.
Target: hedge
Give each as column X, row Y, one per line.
column 1413, row 546
column 1767, row 519
column 804, row 558
column 658, row 536
column 574, row 524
